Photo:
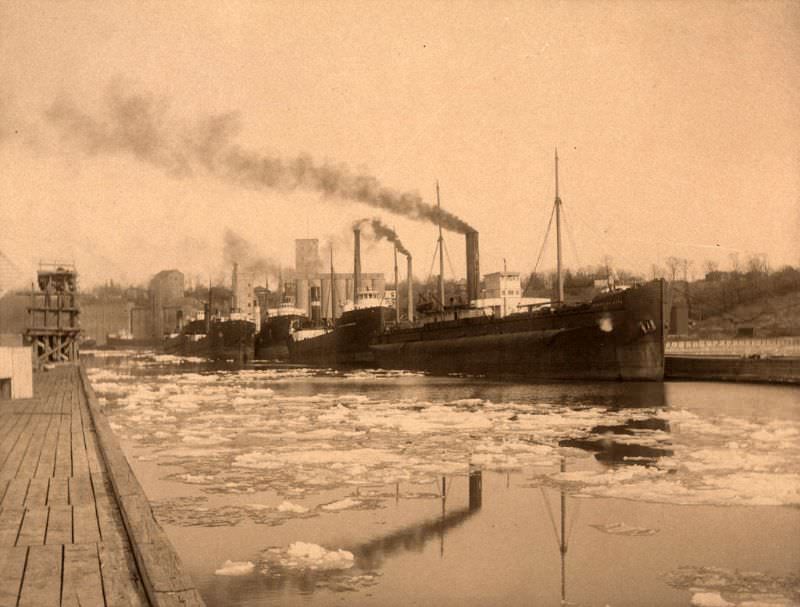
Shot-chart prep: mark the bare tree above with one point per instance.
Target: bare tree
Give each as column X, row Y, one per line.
column 658, row 271
column 607, row 265
column 757, row 264
column 710, row 266
column 673, row 263
column 736, row 266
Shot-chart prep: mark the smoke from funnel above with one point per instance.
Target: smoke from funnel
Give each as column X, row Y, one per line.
column 382, row 231
column 237, row 250
column 138, row 124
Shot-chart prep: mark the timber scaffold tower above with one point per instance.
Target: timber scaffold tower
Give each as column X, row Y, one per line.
column 53, row 315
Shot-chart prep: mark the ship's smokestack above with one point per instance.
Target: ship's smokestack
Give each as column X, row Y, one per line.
column 315, row 296
column 356, row 264
column 473, row 266
column 410, row 291
column 235, row 286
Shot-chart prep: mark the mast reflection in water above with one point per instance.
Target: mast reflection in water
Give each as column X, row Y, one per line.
column 371, row 554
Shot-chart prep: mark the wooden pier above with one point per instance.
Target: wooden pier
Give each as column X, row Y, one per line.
column 75, row 526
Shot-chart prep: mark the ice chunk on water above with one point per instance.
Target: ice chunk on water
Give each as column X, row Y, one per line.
column 709, row 599
column 232, row 568
column 342, row 504
column 313, row 556
column 624, row 529
column 257, row 460
column 287, row 506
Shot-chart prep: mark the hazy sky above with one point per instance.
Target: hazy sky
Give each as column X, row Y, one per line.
column 677, row 127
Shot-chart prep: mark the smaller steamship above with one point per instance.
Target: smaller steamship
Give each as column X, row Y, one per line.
column 217, row 336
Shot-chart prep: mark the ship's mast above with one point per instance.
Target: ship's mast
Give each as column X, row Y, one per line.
column 441, row 249
column 559, row 269
column 333, row 289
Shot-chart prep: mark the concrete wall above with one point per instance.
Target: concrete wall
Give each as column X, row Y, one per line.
column 168, row 286
column 767, row 346
column 98, row 319
column 166, row 290
column 16, row 372
column 710, row 368
column 142, row 323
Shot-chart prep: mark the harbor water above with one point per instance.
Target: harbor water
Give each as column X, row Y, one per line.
column 325, row 487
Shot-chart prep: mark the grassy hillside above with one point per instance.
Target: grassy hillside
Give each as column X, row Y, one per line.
column 772, row 316
column 723, row 302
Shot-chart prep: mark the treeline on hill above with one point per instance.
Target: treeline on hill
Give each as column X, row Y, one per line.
column 580, row 284
column 768, row 301
column 721, row 291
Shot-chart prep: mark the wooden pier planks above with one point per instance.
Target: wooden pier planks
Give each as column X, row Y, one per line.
column 12, row 566
column 41, row 582
column 52, row 475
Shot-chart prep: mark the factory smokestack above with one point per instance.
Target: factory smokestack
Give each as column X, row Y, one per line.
column 356, row 264
column 410, row 291
column 473, row 266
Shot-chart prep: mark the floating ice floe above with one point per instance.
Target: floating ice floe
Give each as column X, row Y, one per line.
column 109, row 353
column 304, row 555
column 287, row 506
column 235, row 568
column 170, row 359
column 343, row 504
column 740, row 588
column 196, row 479
column 624, row 529
column 709, row 599
column 233, row 426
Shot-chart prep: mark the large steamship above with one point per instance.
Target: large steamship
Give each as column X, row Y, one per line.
column 618, row 335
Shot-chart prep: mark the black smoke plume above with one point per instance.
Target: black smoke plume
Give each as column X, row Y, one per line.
column 237, row 250
column 139, row 124
column 382, row 231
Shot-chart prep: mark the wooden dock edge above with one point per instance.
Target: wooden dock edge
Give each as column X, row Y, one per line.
column 165, row 581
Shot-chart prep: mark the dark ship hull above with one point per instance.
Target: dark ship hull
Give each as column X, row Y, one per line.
column 347, row 344
column 272, row 342
column 226, row 340
column 619, row 336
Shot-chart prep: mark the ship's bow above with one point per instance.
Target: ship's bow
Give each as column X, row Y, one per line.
column 640, row 343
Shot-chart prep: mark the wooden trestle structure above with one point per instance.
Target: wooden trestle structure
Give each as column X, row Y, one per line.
column 53, row 315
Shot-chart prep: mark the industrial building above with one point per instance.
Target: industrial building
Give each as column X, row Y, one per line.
column 167, row 309
column 502, row 294
column 312, row 290
column 245, row 305
column 166, row 296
